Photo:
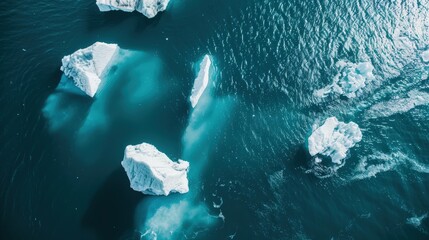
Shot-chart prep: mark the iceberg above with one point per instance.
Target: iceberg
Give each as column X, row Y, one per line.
column 351, row 79
column 152, row 172
column 149, row 8
column 201, row 82
column 333, row 139
column 425, row 56
column 87, row 66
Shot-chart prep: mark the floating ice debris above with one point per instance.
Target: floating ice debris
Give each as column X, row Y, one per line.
column 351, row 79
column 416, row 221
column 87, row 66
column 149, row 8
column 152, row 172
column 414, row 99
column 218, row 205
column 425, row 56
column 333, row 139
column 201, row 82
column 221, row 216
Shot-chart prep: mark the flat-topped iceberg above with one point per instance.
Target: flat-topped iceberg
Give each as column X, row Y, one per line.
column 149, row 8
column 333, row 139
column 425, row 56
column 202, row 80
column 87, row 66
column 152, row 172
column 351, row 79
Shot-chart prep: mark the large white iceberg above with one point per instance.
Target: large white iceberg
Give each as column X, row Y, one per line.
column 202, row 80
column 87, row 66
column 333, row 139
column 152, row 172
column 149, row 8
column 351, row 79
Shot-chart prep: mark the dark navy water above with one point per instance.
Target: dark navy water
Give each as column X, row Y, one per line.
column 60, row 153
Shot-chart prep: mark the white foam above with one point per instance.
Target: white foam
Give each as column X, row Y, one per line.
column 152, row 172
column 149, row 8
column 425, row 56
column 401, row 105
column 86, row 67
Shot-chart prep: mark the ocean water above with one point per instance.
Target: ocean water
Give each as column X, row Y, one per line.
column 250, row 176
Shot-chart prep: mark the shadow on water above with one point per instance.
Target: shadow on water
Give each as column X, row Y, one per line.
column 111, row 211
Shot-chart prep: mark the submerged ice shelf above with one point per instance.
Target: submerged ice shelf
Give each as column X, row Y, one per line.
column 149, row 8
column 87, row 66
column 152, row 172
column 202, row 80
column 351, row 79
column 334, row 139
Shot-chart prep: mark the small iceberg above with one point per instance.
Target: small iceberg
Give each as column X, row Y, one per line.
column 149, row 8
column 202, row 80
column 152, row 172
column 333, row 139
column 425, row 56
column 86, row 67
column 351, row 79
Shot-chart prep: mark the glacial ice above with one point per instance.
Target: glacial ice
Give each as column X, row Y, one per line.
column 202, row 80
column 351, row 79
column 152, row 172
column 425, row 56
column 87, row 66
column 333, row 139
column 149, row 8
column 414, row 99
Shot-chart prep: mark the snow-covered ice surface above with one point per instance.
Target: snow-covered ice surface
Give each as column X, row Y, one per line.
column 334, row 139
column 87, row 66
column 201, row 81
column 152, row 172
column 350, row 80
column 149, row 8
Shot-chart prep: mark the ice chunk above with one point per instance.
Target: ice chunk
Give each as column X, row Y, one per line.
column 87, row 66
column 351, row 79
column 149, row 8
column 202, row 80
column 425, row 56
column 152, row 172
column 333, row 139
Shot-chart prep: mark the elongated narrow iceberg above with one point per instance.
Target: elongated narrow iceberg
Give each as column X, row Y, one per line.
column 87, row 66
column 149, row 8
column 333, row 139
column 351, row 79
column 152, row 172
column 202, row 80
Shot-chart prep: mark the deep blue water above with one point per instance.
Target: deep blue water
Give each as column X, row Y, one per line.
column 60, row 173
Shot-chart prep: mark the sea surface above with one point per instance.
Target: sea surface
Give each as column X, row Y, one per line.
column 251, row 176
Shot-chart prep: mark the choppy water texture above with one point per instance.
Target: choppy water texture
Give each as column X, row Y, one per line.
column 60, row 153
